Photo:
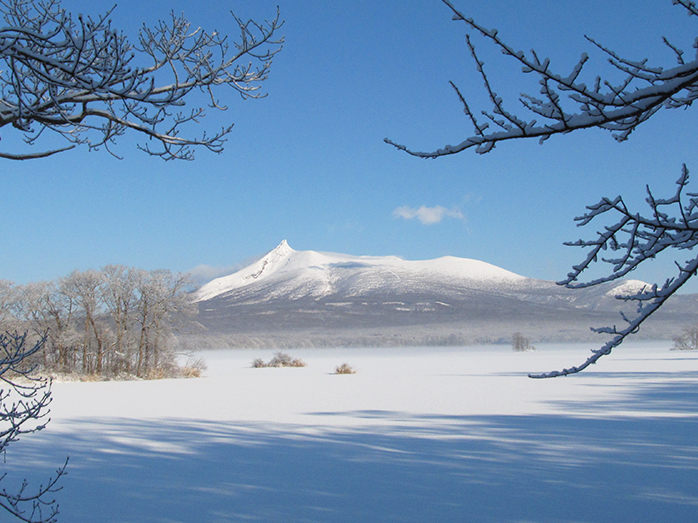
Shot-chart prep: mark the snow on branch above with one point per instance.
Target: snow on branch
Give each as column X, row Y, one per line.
column 632, row 240
column 616, row 107
column 86, row 82
column 24, row 401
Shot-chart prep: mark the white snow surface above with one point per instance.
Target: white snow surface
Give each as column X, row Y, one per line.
column 416, row 435
column 629, row 287
column 319, row 273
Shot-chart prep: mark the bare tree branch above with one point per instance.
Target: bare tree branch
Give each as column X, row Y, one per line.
column 24, row 401
column 615, row 107
column 87, row 83
column 34, row 156
column 672, row 224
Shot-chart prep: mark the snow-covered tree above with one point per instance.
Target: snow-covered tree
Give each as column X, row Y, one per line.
column 566, row 104
column 85, row 81
column 688, row 339
column 114, row 321
column 161, row 304
column 520, row 343
column 119, row 296
column 9, row 304
column 49, row 310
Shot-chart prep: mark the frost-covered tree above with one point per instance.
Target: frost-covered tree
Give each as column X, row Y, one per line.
column 119, row 297
column 110, row 322
column 86, row 82
column 9, row 305
column 566, row 104
column 688, row 339
column 116, row 321
column 161, row 304
column 520, row 343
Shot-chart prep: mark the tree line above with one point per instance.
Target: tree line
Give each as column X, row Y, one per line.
column 117, row 321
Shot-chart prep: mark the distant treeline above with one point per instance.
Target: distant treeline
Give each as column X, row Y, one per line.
column 116, row 321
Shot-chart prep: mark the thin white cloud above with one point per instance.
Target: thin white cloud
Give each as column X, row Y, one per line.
column 427, row 215
column 202, row 274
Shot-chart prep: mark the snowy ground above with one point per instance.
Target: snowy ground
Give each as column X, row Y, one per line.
column 418, row 435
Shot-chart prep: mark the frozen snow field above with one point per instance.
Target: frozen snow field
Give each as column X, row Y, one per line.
column 416, row 435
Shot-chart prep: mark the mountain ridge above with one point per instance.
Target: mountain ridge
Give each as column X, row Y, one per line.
column 307, row 298
column 284, row 258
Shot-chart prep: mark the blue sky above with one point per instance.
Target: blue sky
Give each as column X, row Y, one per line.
column 308, row 163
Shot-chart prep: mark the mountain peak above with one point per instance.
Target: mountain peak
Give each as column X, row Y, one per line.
column 283, row 249
column 320, row 274
column 332, row 299
column 263, row 267
column 270, row 262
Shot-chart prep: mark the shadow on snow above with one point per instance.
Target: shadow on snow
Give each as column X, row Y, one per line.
column 385, row 466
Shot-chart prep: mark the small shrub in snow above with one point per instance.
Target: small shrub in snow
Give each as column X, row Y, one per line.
column 344, row 368
column 193, row 368
column 280, row 359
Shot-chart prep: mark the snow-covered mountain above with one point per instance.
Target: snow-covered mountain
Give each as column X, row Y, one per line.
column 293, row 297
column 298, row 274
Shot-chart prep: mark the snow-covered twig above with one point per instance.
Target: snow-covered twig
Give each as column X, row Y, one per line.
column 672, row 224
column 84, row 81
column 616, row 107
column 23, row 408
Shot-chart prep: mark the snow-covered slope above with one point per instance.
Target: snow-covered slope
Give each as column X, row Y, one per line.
column 308, row 298
column 318, row 274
